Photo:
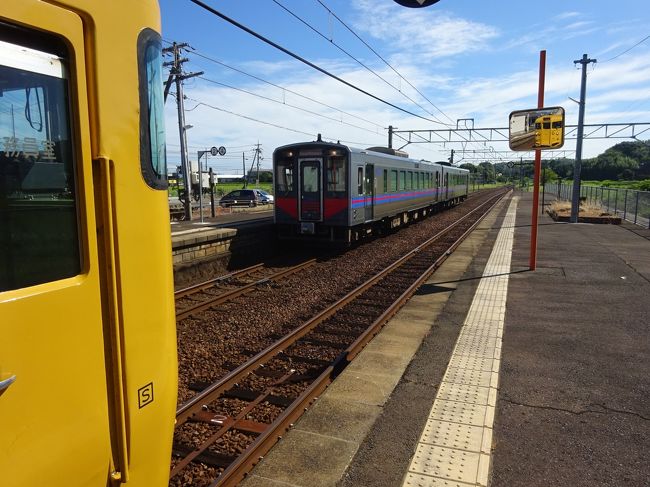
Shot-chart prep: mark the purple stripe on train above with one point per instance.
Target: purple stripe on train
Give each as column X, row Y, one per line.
column 393, row 197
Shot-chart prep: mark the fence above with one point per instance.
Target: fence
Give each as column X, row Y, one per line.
column 629, row 204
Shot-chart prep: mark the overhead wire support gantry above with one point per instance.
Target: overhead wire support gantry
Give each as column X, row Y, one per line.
column 470, row 134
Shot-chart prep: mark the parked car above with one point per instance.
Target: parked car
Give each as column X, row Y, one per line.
column 240, row 197
column 264, row 197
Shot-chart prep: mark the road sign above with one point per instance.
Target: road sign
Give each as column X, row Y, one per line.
column 222, row 150
column 214, row 151
column 416, row 3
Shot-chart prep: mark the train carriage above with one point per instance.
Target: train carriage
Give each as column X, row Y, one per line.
column 88, row 368
column 334, row 192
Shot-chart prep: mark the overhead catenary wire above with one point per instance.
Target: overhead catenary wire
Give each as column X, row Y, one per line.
column 253, row 119
column 280, row 87
column 241, row 90
column 331, row 41
column 344, row 24
column 305, row 61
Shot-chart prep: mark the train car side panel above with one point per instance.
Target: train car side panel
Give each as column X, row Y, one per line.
column 54, row 417
column 88, row 326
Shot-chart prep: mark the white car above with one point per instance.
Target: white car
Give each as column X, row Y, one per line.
column 263, row 196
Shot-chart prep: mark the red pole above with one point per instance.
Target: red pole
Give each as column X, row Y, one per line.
column 538, row 166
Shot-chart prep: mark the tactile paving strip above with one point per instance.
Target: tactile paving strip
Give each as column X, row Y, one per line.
column 454, row 448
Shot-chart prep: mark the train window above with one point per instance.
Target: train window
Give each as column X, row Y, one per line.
column 402, row 180
column 336, row 174
column 393, row 180
column 39, row 236
column 284, row 176
column 153, row 157
column 360, row 180
column 310, row 176
column 437, row 179
column 385, row 180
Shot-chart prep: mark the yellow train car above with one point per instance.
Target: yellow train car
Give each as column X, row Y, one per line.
column 549, row 131
column 88, row 367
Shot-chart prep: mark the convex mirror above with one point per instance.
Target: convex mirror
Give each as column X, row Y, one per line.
column 540, row 128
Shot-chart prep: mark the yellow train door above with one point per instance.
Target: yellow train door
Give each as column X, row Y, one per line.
column 54, row 414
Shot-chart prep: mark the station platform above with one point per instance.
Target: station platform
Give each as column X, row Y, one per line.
column 495, row 375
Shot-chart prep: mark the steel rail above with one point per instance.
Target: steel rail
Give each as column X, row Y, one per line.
column 185, row 410
column 229, row 295
column 243, row 463
column 202, row 286
column 235, row 472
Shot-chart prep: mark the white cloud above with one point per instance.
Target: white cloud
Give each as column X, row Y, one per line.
column 428, row 35
column 617, row 91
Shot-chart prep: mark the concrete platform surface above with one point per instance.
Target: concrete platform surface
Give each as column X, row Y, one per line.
column 573, row 393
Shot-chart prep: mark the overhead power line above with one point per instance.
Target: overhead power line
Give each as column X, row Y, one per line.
column 304, row 61
column 627, row 50
column 241, row 90
column 200, row 103
column 382, row 58
column 283, row 88
column 280, row 87
column 331, row 41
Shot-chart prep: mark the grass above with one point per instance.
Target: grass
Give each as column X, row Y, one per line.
column 643, row 185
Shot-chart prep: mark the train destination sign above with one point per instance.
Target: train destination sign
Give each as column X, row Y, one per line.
column 416, row 3
column 538, row 128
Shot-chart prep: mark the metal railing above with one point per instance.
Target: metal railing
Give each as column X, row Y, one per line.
column 629, row 204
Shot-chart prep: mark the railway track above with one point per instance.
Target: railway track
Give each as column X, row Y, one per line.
column 206, row 295
column 223, row 430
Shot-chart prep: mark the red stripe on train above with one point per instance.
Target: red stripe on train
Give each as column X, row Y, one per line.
column 288, row 206
column 334, row 206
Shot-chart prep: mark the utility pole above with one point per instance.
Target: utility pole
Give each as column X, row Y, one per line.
column 258, row 152
column 243, row 168
column 256, row 162
column 451, row 158
column 575, row 199
column 176, row 73
column 390, row 136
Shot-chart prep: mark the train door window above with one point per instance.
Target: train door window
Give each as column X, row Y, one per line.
column 39, row 230
column 437, row 179
column 153, row 157
column 393, row 180
column 402, row 180
column 360, row 180
column 310, row 177
column 409, row 180
column 385, row 180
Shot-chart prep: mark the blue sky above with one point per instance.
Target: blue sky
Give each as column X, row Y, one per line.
column 467, row 59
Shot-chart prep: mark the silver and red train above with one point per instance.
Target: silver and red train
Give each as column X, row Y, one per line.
column 332, row 192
